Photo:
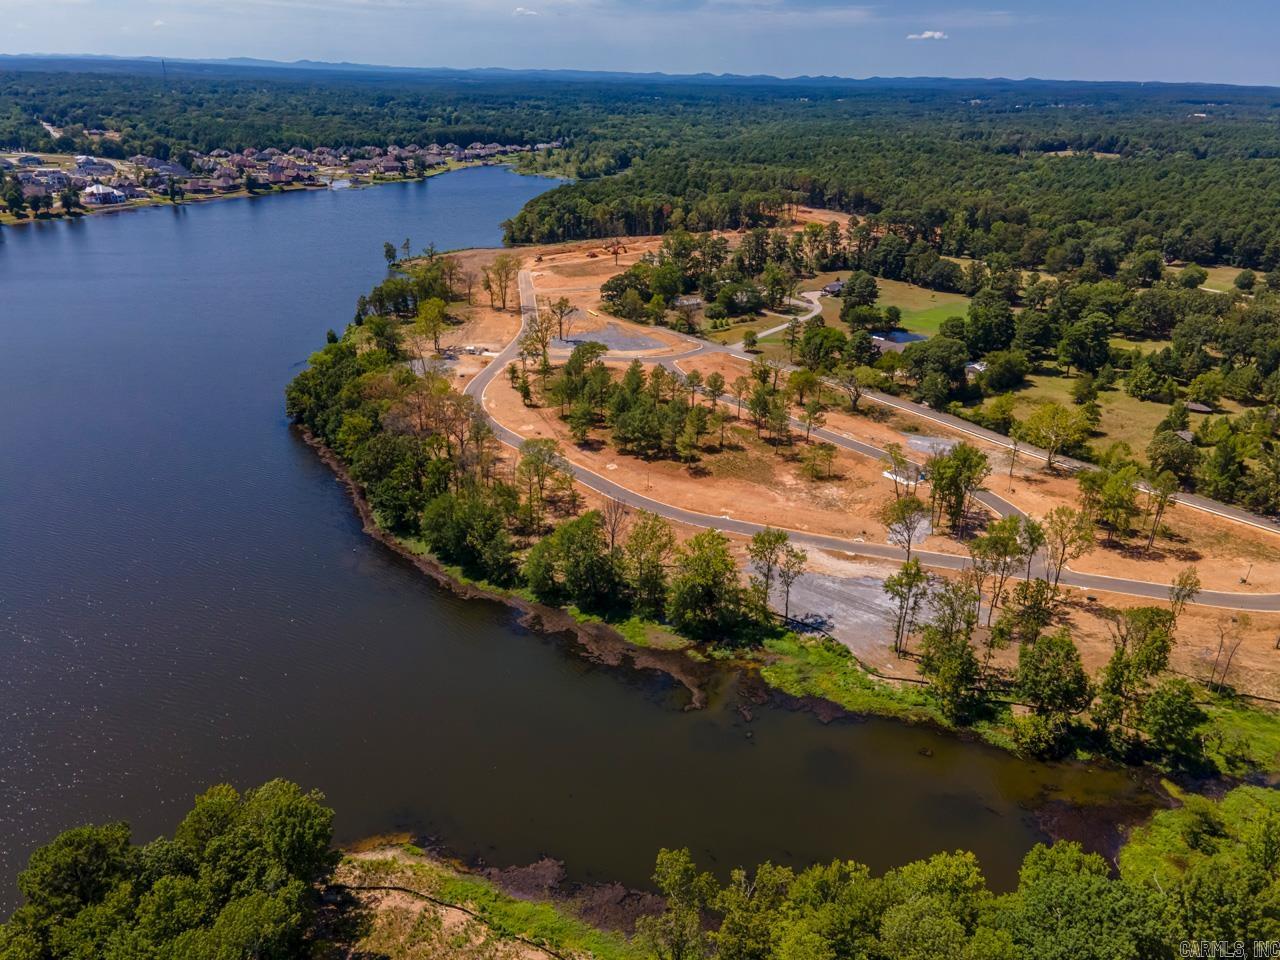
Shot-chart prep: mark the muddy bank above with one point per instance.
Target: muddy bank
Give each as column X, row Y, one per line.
column 607, row 905
column 597, row 642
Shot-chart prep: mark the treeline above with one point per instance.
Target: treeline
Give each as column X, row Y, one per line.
column 931, row 180
column 977, row 167
column 430, row 467
column 167, row 116
column 973, row 178
column 1205, row 873
column 240, row 877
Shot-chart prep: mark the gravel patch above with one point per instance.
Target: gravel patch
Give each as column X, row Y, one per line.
column 854, row 610
column 929, row 445
column 613, row 337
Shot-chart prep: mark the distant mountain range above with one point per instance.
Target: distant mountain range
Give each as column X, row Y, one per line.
column 114, row 64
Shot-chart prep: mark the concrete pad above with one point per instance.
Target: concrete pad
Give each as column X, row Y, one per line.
column 928, row 445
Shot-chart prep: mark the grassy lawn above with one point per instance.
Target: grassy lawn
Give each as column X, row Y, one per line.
column 1146, row 346
column 923, row 310
column 1124, row 418
column 1222, row 279
column 734, row 333
column 1026, row 274
column 822, row 279
column 927, row 322
column 774, row 347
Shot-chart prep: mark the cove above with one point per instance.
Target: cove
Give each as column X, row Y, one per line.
column 186, row 595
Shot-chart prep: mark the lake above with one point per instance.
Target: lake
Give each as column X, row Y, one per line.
column 186, row 595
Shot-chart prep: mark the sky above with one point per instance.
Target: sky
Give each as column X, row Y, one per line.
column 1082, row 40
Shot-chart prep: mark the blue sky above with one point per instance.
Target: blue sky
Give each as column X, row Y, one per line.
column 1087, row 39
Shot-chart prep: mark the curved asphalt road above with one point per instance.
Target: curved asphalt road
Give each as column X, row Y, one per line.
column 594, row 481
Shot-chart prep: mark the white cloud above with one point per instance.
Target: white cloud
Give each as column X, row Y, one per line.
column 157, row 24
column 928, row 35
column 524, row 12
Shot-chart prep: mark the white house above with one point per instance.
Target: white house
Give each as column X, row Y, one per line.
column 99, row 194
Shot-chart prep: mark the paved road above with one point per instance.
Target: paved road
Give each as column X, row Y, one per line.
column 594, row 481
column 808, row 299
column 1195, row 501
column 968, row 428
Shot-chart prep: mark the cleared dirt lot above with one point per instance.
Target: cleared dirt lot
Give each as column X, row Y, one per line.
column 750, row 479
column 1222, row 550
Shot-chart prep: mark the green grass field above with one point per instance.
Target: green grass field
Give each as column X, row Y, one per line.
column 1124, row 418
column 1146, row 346
column 1222, row 279
column 733, row 334
column 923, row 310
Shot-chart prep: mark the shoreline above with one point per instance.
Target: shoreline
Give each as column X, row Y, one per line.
column 606, row 644
column 1055, row 817
column 87, row 212
column 597, row 640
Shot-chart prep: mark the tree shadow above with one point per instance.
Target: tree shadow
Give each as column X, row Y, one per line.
column 342, row 920
column 1137, row 550
column 812, row 623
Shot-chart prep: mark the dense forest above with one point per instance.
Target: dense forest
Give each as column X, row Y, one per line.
column 1029, row 168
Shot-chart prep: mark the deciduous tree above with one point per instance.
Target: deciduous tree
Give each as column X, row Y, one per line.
column 705, row 599
column 903, row 517
column 909, row 589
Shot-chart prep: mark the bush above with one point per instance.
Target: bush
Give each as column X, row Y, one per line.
column 1042, row 737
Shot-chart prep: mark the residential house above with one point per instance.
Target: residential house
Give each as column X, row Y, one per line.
column 99, row 194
